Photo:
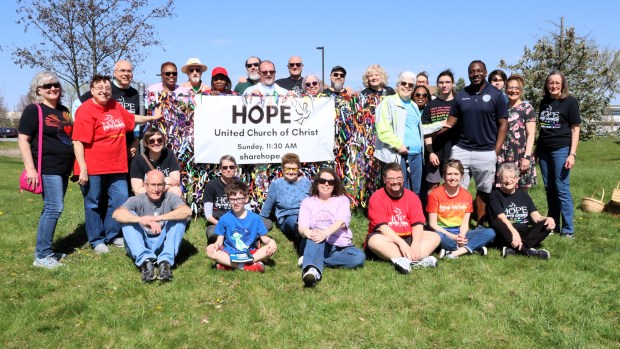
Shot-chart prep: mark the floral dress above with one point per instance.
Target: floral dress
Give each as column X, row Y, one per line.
column 513, row 148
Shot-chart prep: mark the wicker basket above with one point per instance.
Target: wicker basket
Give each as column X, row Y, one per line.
column 593, row 205
column 615, row 195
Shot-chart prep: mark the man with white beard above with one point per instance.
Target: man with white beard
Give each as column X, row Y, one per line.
column 251, row 65
column 194, row 69
column 267, row 85
column 337, row 78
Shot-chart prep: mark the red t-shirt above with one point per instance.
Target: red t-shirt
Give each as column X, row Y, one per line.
column 399, row 214
column 450, row 210
column 102, row 131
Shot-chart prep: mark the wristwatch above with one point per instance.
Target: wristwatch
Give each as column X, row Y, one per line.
column 527, row 157
column 573, row 154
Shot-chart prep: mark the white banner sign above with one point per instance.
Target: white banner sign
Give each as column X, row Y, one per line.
column 259, row 130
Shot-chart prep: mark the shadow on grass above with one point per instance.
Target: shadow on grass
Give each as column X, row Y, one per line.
column 68, row 244
column 186, row 250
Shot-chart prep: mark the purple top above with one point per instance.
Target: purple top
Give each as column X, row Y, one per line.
column 317, row 214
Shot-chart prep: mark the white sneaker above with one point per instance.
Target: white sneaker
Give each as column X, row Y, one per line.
column 482, row 250
column 427, row 262
column 401, row 264
column 119, row 242
column 300, row 262
column 101, row 249
column 48, row 262
column 442, row 253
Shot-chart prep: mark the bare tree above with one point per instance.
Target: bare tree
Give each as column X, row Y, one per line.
column 81, row 38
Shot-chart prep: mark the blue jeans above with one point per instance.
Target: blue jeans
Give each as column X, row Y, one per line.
column 412, row 174
column 163, row 247
column 475, row 239
column 100, row 226
column 317, row 255
column 557, row 186
column 54, row 189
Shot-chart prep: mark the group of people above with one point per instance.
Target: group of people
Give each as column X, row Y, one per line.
column 486, row 131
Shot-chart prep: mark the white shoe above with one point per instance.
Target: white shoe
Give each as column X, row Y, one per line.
column 300, row 262
column 101, row 249
column 442, row 253
column 402, row 265
column 427, row 262
column 119, row 242
column 48, row 262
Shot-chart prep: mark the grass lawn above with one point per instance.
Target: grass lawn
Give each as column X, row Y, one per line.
column 98, row 301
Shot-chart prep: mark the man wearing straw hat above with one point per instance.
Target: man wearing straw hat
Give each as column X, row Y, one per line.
column 194, row 69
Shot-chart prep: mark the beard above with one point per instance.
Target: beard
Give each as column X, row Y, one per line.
column 338, row 86
column 254, row 76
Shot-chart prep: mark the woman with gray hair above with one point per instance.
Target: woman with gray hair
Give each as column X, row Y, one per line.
column 312, row 85
column 375, row 80
column 56, row 158
column 514, row 217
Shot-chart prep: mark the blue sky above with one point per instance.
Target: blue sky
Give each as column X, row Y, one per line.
column 399, row 35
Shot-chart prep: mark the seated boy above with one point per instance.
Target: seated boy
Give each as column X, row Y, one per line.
column 237, row 234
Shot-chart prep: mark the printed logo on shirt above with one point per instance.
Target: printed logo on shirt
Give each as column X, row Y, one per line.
column 131, row 107
column 64, row 126
column 550, row 118
column 221, row 204
column 486, row 98
column 516, row 214
column 398, row 219
column 322, row 219
column 110, row 123
column 453, row 207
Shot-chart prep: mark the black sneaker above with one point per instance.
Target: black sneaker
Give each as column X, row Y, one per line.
column 165, row 271
column 507, row 251
column 148, row 270
column 542, row 254
column 311, row 277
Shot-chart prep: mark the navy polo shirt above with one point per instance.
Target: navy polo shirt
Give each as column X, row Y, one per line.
column 479, row 113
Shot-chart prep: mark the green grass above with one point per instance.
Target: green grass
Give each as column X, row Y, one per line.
column 570, row 301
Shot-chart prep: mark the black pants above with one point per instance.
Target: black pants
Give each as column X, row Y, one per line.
column 531, row 237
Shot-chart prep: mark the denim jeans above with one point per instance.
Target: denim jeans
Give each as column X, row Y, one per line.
column 100, row 226
column 412, row 174
column 557, row 186
column 475, row 239
column 320, row 254
column 163, row 247
column 54, row 189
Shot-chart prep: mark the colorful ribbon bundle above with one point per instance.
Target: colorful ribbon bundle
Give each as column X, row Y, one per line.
column 353, row 150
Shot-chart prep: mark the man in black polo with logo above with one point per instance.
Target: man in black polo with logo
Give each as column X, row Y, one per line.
column 294, row 80
column 483, row 112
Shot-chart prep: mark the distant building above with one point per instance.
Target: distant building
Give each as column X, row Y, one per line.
column 610, row 120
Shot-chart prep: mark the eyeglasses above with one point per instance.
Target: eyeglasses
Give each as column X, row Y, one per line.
column 295, row 65
column 338, row 75
column 230, row 167
column 312, row 83
column 291, row 169
column 156, row 185
column 102, row 88
column 219, row 77
column 406, row 84
column 233, row 200
column 268, row 72
column 124, row 71
column 197, row 70
column 394, row 179
column 50, row 85
column 330, row 182
column 513, row 88
column 497, row 80
column 250, row 65
column 155, row 141
column 168, row 73
column 424, row 95
column 507, row 178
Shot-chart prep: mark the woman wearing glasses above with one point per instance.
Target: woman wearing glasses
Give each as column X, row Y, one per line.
column 400, row 131
column 159, row 158
column 215, row 199
column 324, row 226
column 284, row 197
column 312, row 85
column 56, row 159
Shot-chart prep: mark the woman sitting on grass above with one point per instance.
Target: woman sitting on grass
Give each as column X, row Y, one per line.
column 324, row 226
column 449, row 207
column 514, row 217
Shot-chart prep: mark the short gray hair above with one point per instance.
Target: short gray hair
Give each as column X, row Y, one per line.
column 406, row 75
column 507, row 167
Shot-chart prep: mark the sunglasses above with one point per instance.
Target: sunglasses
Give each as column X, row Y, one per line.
column 49, row 86
column 197, row 70
column 250, row 65
column 156, row 141
column 312, row 83
column 338, row 75
column 291, row 169
column 168, row 73
column 295, row 64
column 330, row 182
column 406, row 84
column 425, row 95
column 268, row 72
column 230, row 167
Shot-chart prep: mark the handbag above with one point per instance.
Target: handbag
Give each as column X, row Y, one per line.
column 23, row 179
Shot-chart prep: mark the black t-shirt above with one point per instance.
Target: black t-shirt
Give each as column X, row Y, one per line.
column 479, row 114
column 291, row 85
column 166, row 164
column 330, row 93
column 214, row 192
column 556, row 116
column 439, row 110
column 387, row 91
column 517, row 207
column 57, row 157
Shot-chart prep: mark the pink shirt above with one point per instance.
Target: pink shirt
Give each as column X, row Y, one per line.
column 317, row 214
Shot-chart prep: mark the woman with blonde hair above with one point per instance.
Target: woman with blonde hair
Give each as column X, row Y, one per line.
column 375, row 80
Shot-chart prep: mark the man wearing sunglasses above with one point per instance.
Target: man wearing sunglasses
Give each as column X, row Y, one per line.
column 294, row 81
column 251, row 65
column 153, row 225
column 267, row 85
column 337, row 78
column 194, row 69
